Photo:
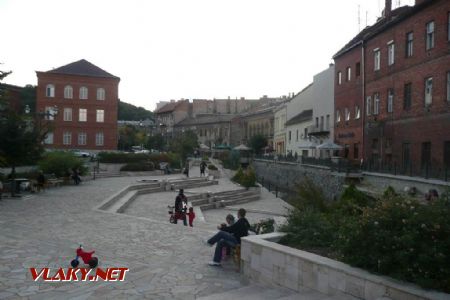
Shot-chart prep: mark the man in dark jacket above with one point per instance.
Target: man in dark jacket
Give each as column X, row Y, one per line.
column 229, row 236
column 180, row 207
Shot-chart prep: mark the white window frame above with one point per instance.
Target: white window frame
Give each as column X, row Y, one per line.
column 339, row 78
column 391, row 53
column 428, row 91
column 99, row 139
column 68, row 92
column 357, row 112
column 100, row 116
column 82, row 138
column 67, row 138
column 430, row 29
column 82, row 115
column 101, row 94
column 376, row 59
column 347, row 114
column 67, row 114
column 349, row 73
column 50, row 91
column 390, row 101
column 84, row 93
column 368, row 105
column 376, row 104
column 338, row 116
column 48, row 138
column 409, row 44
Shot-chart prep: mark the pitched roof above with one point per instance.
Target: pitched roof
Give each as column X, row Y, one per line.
column 206, row 119
column 167, row 108
column 396, row 16
column 305, row 115
column 83, row 68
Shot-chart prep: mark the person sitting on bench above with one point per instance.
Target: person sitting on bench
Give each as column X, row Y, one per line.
column 229, row 236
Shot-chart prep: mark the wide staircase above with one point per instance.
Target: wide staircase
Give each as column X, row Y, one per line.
column 221, row 199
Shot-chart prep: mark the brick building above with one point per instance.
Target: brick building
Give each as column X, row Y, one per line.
column 405, row 88
column 87, row 101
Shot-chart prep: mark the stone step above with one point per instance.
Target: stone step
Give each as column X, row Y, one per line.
column 251, row 292
column 193, row 185
column 119, row 203
column 221, row 204
column 236, row 196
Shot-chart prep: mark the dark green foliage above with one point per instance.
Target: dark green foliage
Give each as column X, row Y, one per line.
column 212, row 167
column 257, row 143
column 238, row 176
column 231, row 160
column 129, row 112
column 393, row 235
column 142, row 166
column 263, row 226
column 28, row 97
column 184, row 144
column 61, row 163
column 126, row 158
column 309, row 196
column 156, row 142
column 246, row 178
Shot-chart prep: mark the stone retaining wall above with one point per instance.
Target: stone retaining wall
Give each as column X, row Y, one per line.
column 267, row 262
column 286, row 175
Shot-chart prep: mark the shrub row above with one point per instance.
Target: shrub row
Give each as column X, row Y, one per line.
column 145, row 166
column 126, row 158
column 246, row 178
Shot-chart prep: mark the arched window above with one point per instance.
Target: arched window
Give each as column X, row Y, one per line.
column 68, row 92
column 83, row 92
column 100, row 94
column 50, row 90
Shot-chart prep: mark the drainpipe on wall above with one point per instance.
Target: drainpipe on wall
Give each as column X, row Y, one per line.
column 363, row 106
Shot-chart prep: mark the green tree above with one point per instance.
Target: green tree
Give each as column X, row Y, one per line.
column 130, row 112
column 156, row 142
column 28, row 97
column 257, row 143
column 184, row 144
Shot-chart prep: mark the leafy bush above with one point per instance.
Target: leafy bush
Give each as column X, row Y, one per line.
column 147, row 166
column 212, row 167
column 393, row 235
column 245, row 178
column 61, row 163
column 263, row 226
column 231, row 160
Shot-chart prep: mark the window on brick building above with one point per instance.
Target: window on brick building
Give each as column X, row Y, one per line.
column 67, row 138
column 426, row 157
column 390, row 101
column 377, row 59
column 409, row 44
column 82, row 115
column 99, row 139
column 357, row 112
column 49, row 113
column 100, row 94
column 50, row 90
column 369, row 106
column 376, row 103
column 67, row 114
column 430, row 35
column 391, row 53
column 349, row 73
column 407, row 95
column 338, row 116
column 347, row 114
column 83, row 92
column 448, row 86
column 358, row 69
column 428, row 91
column 355, row 150
column 100, row 116
column 49, row 138
column 68, row 92
column 82, row 138
column 339, row 77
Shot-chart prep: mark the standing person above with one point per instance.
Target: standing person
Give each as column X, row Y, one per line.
column 202, row 168
column 76, row 176
column 191, row 215
column 40, row 181
column 230, row 235
column 180, row 212
column 186, row 168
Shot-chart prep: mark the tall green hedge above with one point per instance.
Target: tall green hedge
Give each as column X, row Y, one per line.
column 61, row 163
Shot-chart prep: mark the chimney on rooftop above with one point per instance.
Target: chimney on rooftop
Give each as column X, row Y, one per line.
column 388, row 8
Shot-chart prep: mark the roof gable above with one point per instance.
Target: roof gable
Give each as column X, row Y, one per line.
column 82, row 68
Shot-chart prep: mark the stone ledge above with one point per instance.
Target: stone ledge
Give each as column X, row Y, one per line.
column 265, row 261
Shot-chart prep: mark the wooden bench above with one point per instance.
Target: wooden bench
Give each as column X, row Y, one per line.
column 51, row 181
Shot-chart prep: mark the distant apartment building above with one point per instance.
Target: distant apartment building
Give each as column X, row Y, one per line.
column 392, row 90
column 279, row 139
column 87, row 100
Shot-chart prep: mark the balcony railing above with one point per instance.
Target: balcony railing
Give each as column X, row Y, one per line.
column 321, row 130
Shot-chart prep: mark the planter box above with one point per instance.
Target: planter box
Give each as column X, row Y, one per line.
column 264, row 261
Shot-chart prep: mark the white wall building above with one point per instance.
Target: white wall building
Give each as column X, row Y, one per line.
column 279, row 140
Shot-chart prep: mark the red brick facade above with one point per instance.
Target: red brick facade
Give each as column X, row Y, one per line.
column 401, row 130
column 83, row 134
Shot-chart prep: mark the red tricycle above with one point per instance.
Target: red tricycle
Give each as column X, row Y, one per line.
column 176, row 215
column 87, row 258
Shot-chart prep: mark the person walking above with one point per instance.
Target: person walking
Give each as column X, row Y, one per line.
column 202, row 168
column 180, row 207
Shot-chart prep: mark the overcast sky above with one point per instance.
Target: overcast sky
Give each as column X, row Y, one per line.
column 173, row 49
